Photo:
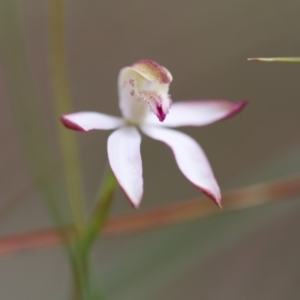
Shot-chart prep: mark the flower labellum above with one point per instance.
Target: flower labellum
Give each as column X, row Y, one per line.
column 145, row 103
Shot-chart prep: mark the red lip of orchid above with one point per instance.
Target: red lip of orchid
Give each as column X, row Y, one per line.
column 143, row 93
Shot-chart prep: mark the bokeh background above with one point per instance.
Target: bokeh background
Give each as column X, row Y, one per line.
column 253, row 254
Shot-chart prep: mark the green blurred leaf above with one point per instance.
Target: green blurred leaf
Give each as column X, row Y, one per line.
column 27, row 109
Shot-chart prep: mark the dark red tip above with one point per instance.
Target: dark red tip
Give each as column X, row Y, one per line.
column 70, row 125
column 160, row 114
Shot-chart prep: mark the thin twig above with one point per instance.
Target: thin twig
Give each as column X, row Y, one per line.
column 248, row 197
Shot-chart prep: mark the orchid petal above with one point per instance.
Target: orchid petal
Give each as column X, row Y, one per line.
column 190, row 159
column 146, row 82
column 198, row 112
column 124, row 156
column 86, row 121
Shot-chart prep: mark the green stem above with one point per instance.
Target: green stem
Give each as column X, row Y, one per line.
column 81, row 252
column 84, row 288
column 80, row 268
column 63, row 105
column 100, row 213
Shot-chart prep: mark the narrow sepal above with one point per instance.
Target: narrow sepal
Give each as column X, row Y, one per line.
column 190, row 159
column 124, row 157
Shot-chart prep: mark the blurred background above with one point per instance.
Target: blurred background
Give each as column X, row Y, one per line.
column 251, row 254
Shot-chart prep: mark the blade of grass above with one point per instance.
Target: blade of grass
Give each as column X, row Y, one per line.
column 63, row 105
column 276, row 59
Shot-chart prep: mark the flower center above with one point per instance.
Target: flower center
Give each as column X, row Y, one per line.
column 140, row 90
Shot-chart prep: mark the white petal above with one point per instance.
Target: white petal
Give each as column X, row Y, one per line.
column 86, row 121
column 198, row 112
column 124, row 156
column 190, row 159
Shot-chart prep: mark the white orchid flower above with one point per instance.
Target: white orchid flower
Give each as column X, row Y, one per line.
column 143, row 93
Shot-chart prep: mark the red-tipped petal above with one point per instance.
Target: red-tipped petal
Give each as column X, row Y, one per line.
column 190, row 159
column 86, row 121
column 124, row 156
column 199, row 112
